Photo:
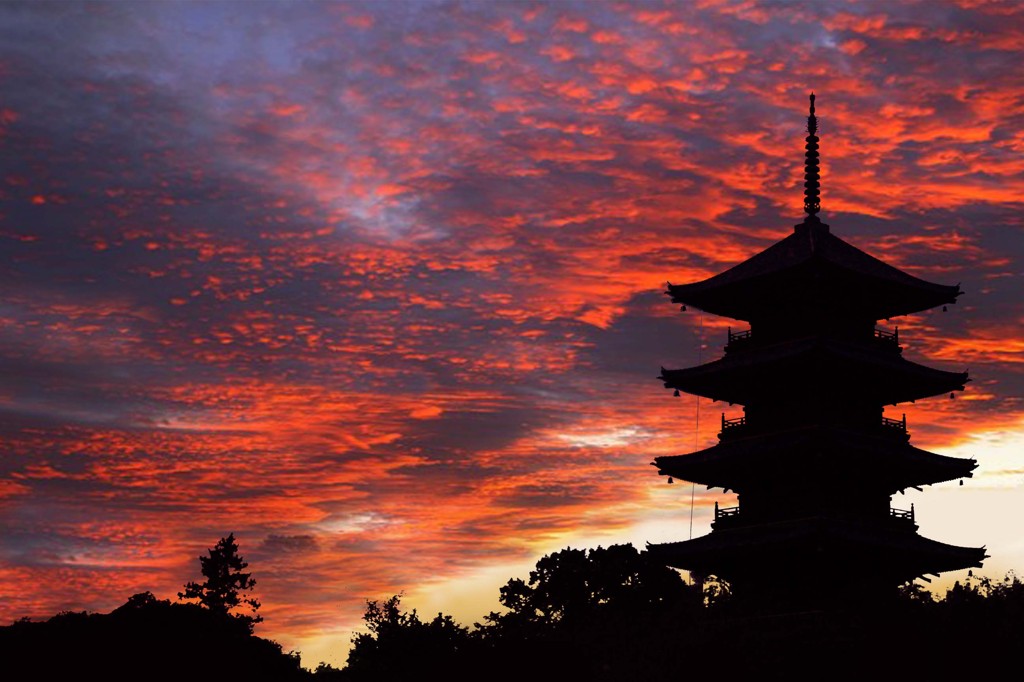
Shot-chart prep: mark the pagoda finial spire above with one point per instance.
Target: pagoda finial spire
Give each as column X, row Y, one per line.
column 812, row 198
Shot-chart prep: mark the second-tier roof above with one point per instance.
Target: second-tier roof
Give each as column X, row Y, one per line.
column 819, row 365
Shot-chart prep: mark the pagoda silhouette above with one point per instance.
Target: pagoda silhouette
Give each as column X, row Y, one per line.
column 814, row 459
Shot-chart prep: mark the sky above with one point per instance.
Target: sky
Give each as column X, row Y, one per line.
column 378, row 287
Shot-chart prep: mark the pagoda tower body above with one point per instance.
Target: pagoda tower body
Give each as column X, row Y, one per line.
column 814, row 458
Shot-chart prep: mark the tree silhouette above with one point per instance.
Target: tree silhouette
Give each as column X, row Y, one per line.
column 226, row 584
column 399, row 645
column 146, row 638
column 576, row 586
column 604, row 615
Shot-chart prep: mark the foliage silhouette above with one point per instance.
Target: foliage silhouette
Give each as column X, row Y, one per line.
column 573, row 587
column 603, row 615
column 580, row 611
column 146, row 638
column 616, row 614
column 226, row 583
column 568, row 620
column 399, row 643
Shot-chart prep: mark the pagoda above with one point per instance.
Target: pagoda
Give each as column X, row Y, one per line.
column 814, row 458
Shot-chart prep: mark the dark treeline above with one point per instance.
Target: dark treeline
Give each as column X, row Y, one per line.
column 145, row 639
column 209, row 637
column 602, row 614
column 615, row 614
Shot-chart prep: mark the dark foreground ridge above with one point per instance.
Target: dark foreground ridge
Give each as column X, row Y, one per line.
column 607, row 614
column 618, row 614
column 145, row 639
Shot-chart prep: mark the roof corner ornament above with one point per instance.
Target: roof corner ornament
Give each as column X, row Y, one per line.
column 812, row 199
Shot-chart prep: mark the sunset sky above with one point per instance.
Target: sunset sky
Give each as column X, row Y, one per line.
column 378, row 286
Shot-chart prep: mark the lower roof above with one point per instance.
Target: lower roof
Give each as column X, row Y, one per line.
column 833, row 543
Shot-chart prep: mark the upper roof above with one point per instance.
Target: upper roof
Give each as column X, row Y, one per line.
column 812, row 271
column 809, row 271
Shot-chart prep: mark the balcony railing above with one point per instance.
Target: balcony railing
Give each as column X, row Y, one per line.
column 902, row 513
column 895, row 424
column 731, row 513
column 739, row 337
column 892, row 337
column 737, row 423
column 726, row 512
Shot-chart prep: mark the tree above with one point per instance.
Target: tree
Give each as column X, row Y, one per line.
column 599, row 614
column 399, row 645
column 226, row 584
column 575, row 586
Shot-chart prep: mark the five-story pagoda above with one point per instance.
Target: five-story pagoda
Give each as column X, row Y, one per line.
column 813, row 459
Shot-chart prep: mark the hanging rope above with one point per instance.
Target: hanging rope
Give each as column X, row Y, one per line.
column 696, row 421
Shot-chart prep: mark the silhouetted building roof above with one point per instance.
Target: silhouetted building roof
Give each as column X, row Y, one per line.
column 851, row 368
column 842, row 276
column 842, row 542
column 802, row 452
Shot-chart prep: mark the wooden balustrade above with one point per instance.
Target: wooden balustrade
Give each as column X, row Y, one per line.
column 734, row 512
column 896, row 424
column 732, row 423
column 744, row 335
column 892, row 337
column 905, row 514
column 724, row 512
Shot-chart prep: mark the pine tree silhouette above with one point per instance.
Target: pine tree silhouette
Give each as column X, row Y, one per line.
column 226, row 584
